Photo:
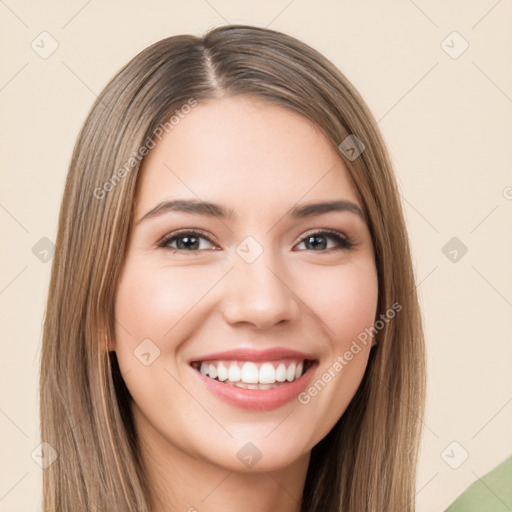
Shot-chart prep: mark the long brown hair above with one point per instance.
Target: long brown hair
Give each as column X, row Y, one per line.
column 367, row 462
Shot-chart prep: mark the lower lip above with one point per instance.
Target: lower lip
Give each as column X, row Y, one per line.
column 257, row 399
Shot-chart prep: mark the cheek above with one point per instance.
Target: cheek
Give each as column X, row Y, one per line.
column 354, row 305
column 156, row 303
column 344, row 298
column 150, row 302
column 345, row 301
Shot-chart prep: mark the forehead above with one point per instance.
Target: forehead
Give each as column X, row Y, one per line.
column 244, row 153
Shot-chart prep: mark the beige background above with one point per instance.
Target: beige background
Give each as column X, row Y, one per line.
column 447, row 122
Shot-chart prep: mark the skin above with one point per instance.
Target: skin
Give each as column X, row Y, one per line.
column 259, row 160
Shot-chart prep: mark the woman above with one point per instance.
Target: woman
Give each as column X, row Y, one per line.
column 232, row 320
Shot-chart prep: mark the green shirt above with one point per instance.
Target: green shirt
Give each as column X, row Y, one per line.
column 491, row 493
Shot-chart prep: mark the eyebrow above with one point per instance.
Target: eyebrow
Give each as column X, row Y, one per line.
column 208, row 209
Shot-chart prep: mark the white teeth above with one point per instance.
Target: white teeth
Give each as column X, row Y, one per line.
column 267, row 374
column 252, row 375
column 290, row 373
column 234, row 373
column 222, row 372
column 298, row 371
column 280, row 373
column 212, row 371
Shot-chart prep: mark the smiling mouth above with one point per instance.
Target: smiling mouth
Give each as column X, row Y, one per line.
column 260, row 375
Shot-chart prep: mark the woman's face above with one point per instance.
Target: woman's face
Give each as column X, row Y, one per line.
column 259, row 292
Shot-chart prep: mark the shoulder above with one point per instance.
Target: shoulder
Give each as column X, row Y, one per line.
column 490, row 493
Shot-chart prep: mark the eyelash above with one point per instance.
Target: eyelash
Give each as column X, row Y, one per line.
column 345, row 243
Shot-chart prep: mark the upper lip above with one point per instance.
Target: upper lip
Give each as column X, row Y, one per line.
column 247, row 354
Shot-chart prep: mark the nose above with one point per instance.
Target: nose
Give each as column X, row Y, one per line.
column 260, row 295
